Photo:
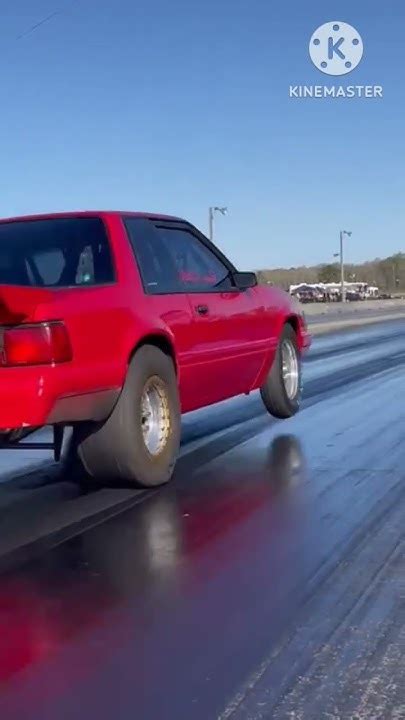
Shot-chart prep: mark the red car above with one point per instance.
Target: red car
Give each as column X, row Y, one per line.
column 115, row 323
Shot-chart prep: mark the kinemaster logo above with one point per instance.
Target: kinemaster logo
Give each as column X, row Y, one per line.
column 336, row 48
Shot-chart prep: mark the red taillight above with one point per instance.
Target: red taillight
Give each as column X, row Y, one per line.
column 41, row 344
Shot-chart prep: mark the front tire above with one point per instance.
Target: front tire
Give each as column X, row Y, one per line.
column 139, row 442
column 281, row 392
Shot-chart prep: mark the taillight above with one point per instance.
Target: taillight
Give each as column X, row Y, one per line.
column 42, row 344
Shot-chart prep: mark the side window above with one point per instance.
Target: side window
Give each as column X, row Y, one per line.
column 155, row 263
column 197, row 268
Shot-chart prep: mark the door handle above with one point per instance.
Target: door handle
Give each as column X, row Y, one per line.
column 202, row 309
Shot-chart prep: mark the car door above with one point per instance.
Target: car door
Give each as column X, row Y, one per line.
column 165, row 303
column 228, row 335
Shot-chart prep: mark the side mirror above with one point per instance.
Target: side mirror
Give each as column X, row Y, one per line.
column 244, row 280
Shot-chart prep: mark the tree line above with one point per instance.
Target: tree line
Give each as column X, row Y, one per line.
column 387, row 274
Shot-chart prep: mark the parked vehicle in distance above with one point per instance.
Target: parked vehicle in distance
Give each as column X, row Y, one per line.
column 115, row 323
column 331, row 292
column 353, row 296
column 307, row 294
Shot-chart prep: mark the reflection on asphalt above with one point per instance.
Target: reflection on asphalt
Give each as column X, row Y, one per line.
column 177, row 603
column 145, row 549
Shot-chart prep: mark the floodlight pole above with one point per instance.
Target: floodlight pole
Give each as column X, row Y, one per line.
column 212, row 210
column 342, row 266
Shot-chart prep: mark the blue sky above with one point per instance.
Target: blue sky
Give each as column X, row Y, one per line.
column 175, row 106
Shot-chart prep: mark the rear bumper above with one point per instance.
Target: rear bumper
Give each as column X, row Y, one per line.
column 25, row 400
column 35, row 396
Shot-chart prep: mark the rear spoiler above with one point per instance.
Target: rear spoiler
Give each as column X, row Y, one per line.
column 18, row 303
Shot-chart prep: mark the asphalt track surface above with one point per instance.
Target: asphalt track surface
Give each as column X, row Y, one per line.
column 267, row 581
column 355, row 314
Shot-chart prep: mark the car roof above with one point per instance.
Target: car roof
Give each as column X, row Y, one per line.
column 91, row 213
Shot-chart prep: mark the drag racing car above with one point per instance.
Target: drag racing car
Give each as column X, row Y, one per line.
column 116, row 323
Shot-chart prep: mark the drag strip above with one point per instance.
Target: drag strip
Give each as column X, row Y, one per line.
column 246, row 588
column 44, row 508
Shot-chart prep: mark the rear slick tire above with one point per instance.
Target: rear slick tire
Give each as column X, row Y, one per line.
column 139, row 442
column 281, row 392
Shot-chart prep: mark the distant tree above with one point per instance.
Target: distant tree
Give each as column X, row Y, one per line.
column 387, row 273
column 329, row 273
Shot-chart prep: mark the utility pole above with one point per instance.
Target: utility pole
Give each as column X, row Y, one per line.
column 212, row 210
column 342, row 271
column 342, row 265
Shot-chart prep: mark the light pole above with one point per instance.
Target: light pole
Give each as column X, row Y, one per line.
column 342, row 266
column 212, row 211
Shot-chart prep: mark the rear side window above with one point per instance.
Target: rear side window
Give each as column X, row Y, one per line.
column 55, row 252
